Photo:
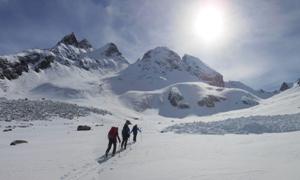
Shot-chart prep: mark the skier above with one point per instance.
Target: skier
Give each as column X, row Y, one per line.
column 125, row 134
column 113, row 135
column 135, row 130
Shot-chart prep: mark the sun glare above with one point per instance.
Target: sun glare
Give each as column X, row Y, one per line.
column 209, row 24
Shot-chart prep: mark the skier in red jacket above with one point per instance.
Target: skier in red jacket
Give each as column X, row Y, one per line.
column 113, row 135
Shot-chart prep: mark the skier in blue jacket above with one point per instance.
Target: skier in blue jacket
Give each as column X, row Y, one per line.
column 135, row 130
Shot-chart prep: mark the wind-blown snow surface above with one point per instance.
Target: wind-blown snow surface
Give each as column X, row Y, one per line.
column 55, row 150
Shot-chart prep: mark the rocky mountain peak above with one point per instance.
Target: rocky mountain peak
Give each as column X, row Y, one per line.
column 69, row 39
column 298, row 82
column 284, row 86
column 84, row 44
column 111, row 49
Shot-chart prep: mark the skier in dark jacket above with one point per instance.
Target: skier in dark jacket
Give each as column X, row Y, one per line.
column 125, row 134
column 113, row 135
column 135, row 130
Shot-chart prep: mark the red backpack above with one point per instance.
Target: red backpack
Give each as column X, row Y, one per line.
column 113, row 133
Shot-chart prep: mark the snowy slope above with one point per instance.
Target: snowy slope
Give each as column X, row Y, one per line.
column 287, row 102
column 55, row 150
column 108, row 56
column 55, row 146
column 57, row 82
column 260, row 93
column 183, row 99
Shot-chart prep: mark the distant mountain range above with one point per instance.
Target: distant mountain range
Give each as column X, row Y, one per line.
column 162, row 80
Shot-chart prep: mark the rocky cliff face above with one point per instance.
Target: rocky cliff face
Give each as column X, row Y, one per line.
column 285, row 86
column 11, row 67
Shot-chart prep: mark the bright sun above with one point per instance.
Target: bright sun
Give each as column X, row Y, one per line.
column 209, row 24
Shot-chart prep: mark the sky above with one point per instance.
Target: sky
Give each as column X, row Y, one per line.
column 259, row 45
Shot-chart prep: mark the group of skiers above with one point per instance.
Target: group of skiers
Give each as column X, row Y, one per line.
column 113, row 136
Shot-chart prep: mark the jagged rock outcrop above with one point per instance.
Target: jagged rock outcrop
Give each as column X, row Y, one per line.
column 69, row 39
column 175, row 96
column 284, row 86
column 85, row 44
column 298, row 82
column 210, row 100
column 22, row 63
column 176, row 99
column 12, row 70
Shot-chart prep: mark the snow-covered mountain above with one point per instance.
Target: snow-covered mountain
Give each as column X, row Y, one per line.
column 68, row 52
column 161, row 67
column 70, row 69
column 239, row 85
column 161, row 80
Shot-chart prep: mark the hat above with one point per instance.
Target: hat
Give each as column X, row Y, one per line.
column 128, row 122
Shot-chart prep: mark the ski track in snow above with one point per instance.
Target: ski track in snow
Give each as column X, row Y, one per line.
column 100, row 165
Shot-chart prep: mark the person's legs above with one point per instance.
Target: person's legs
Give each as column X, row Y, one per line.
column 125, row 142
column 114, row 148
column 134, row 137
column 108, row 147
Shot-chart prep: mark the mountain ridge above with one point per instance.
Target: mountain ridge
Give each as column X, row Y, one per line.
column 68, row 51
column 160, row 79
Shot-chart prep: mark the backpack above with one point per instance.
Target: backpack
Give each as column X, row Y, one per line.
column 113, row 133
